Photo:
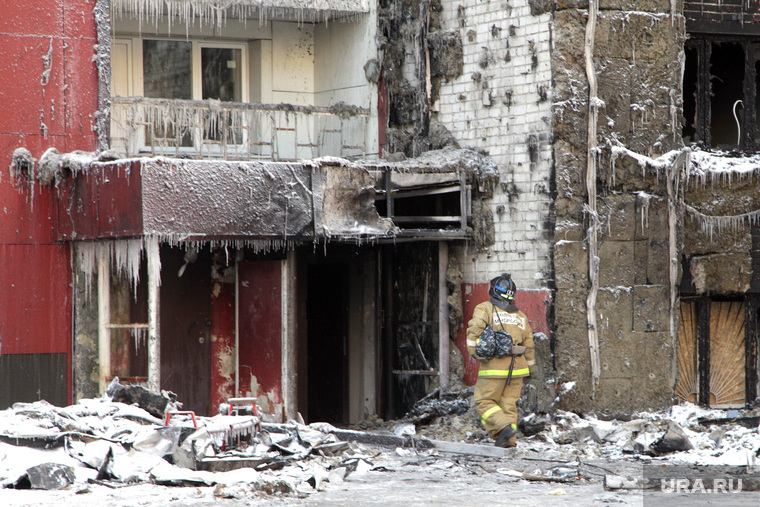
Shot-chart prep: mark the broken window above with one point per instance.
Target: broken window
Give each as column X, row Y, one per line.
column 720, row 89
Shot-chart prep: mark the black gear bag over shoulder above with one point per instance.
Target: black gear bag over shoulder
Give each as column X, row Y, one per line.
column 494, row 343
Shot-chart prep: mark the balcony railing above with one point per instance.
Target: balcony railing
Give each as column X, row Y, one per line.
column 234, row 131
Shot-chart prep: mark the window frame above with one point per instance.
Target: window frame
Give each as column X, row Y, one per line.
column 702, row 43
column 134, row 68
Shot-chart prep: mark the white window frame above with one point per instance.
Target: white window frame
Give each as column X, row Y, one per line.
column 137, row 86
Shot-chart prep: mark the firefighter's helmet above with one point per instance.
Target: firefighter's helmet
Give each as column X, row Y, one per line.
column 503, row 287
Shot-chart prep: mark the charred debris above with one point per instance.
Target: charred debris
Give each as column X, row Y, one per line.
column 132, row 435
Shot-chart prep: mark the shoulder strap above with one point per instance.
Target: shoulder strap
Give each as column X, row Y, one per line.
column 495, row 311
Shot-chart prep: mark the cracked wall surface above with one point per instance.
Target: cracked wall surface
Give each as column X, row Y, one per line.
column 637, row 57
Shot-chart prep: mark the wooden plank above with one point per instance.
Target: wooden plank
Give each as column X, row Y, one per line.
column 401, row 194
column 703, row 350
column 687, row 388
column 750, row 343
column 428, row 218
column 727, row 355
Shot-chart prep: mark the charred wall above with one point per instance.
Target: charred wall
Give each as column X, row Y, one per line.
column 726, row 16
column 637, row 55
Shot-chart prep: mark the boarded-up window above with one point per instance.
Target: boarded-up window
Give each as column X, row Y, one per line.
column 711, row 353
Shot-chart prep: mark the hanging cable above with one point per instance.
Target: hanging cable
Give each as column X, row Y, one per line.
column 738, row 127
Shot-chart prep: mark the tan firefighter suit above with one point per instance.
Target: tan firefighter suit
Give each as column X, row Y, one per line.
column 496, row 400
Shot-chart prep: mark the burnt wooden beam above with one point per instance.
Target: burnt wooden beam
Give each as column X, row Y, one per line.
column 750, row 88
column 703, row 350
column 751, row 306
column 704, row 91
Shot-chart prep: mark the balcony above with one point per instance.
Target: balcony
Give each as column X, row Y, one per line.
column 213, row 129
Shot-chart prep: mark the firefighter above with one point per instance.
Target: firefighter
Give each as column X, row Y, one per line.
column 500, row 379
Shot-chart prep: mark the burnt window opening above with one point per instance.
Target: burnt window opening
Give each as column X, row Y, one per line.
column 720, row 89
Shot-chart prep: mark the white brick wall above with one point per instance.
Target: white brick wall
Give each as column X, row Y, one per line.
column 503, row 130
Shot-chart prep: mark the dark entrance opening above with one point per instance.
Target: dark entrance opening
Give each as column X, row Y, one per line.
column 327, row 342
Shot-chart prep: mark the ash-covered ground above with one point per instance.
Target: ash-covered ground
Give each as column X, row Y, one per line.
column 107, row 453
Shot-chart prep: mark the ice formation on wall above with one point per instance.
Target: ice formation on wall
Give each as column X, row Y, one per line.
column 215, row 12
column 238, row 131
column 123, row 254
column 703, row 168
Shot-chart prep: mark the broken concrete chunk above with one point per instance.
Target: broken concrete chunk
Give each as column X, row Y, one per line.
column 337, row 475
column 642, row 443
column 716, row 435
column 158, row 441
column 567, row 437
column 50, row 476
column 613, row 482
column 153, row 403
column 587, row 433
column 674, row 439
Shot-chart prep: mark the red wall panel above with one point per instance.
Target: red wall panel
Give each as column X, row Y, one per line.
column 33, row 17
column 81, row 95
column 260, row 328
column 533, row 303
column 49, row 87
column 222, row 343
column 36, row 299
column 31, row 92
column 78, row 21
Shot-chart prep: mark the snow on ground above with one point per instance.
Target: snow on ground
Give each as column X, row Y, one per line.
column 586, row 448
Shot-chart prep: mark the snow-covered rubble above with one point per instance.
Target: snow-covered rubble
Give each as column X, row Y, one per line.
column 108, row 443
column 102, row 443
column 684, row 434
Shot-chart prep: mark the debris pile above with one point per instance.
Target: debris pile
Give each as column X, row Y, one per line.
column 684, row 433
column 118, row 443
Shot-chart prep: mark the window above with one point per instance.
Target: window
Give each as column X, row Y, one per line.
column 191, row 70
column 720, row 91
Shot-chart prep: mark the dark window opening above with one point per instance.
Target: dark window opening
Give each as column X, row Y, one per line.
column 719, row 93
column 727, row 97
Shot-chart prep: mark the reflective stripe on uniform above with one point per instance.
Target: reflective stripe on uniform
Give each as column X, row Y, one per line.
column 531, row 363
column 472, row 343
column 503, row 373
column 488, row 413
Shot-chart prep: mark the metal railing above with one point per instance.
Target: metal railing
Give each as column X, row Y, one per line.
column 235, row 131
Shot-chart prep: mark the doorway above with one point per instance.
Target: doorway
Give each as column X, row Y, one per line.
column 327, row 342
column 186, row 327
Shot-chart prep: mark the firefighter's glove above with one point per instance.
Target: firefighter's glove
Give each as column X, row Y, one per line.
column 486, row 343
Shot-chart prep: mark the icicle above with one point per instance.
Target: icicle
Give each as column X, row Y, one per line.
column 139, row 335
column 126, row 256
column 87, row 259
column 645, row 200
column 151, row 249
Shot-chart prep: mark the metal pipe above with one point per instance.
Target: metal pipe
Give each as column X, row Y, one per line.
column 154, row 338
column 443, row 316
column 104, row 317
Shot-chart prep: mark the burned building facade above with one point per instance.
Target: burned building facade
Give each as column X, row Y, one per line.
column 304, row 205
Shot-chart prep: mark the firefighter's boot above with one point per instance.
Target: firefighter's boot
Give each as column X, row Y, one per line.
column 507, row 437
